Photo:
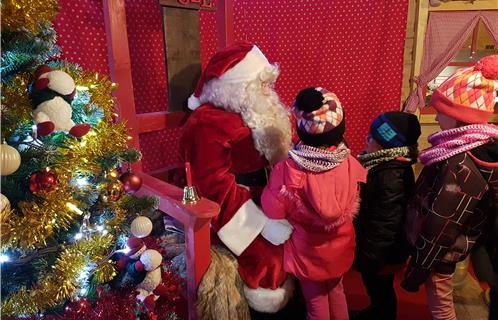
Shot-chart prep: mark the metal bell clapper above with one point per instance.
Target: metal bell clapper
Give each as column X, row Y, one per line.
column 189, row 192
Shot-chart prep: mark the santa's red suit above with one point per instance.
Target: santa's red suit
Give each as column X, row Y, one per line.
column 220, row 144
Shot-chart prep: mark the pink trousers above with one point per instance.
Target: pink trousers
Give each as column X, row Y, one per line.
column 325, row 300
column 439, row 290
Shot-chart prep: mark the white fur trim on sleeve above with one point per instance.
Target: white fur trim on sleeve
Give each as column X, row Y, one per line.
column 193, row 102
column 243, row 228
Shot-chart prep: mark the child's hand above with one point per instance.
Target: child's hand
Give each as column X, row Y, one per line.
column 277, row 231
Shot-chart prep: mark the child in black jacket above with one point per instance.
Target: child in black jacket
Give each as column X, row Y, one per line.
column 381, row 246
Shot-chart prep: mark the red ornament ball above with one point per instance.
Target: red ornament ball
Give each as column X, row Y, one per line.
column 42, row 181
column 131, row 181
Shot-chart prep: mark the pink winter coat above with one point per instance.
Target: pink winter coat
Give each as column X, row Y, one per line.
column 320, row 206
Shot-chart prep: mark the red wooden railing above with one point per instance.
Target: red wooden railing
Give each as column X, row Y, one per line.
column 196, row 221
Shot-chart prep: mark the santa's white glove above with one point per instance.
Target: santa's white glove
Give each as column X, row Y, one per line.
column 277, row 231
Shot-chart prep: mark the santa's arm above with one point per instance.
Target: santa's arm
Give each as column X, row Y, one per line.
column 240, row 220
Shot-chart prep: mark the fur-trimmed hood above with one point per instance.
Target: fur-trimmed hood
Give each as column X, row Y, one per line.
column 327, row 198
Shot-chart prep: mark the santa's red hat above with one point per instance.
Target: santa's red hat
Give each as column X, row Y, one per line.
column 136, row 247
column 238, row 63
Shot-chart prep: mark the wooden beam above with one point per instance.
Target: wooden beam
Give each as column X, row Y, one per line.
column 196, row 220
column 183, row 55
column 224, row 23
column 431, row 118
column 120, row 67
column 422, row 17
column 411, row 22
column 155, row 121
column 466, row 5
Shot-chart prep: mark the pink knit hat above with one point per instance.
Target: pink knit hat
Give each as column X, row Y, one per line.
column 469, row 95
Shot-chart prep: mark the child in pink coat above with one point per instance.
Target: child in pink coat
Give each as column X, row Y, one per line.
column 316, row 190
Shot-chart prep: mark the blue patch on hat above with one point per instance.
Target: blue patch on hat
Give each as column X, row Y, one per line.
column 386, row 132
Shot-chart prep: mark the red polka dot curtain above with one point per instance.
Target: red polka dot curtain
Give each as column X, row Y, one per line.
column 354, row 48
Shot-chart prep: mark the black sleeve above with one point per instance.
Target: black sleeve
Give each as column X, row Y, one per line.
column 383, row 220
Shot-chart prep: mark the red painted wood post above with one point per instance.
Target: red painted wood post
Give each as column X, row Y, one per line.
column 196, row 221
column 224, row 23
column 120, row 67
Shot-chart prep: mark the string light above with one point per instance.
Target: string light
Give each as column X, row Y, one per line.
column 78, row 236
column 82, row 182
column 4, row 258
column 82, row 88
column 74, row 208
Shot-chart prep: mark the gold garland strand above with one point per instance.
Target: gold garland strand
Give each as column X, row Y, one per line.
column 62, row 281
column 27, row 14
column 16, row 107
column 38, row 220
column 104, row 138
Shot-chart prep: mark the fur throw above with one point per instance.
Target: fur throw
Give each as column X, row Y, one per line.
column 221, row 292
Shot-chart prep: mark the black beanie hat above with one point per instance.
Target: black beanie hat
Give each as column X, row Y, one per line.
column 395, row 129
column 319, row 117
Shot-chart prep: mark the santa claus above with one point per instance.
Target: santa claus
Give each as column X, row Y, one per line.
column 239, row 128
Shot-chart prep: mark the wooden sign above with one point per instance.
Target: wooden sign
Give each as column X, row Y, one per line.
column 190, row 4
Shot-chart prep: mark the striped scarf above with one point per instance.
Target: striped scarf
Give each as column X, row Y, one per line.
column 370, row 160
column 448, row 143
column 319, row 160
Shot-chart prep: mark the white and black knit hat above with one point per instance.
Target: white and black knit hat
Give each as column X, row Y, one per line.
column 319, row 117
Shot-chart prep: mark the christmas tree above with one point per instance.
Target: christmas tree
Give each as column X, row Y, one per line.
column 65, row 210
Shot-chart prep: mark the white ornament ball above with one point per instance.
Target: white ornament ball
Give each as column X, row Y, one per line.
column 151, row 259
column 4, row 203
column 11, row 159
column 141, row 227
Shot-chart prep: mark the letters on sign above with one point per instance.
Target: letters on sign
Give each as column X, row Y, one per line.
column 204, row 4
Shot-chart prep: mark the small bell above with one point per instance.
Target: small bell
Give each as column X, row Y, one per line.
column 189, row 192
column 190, row 195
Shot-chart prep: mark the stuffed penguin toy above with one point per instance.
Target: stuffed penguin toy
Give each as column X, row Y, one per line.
column 51, row 95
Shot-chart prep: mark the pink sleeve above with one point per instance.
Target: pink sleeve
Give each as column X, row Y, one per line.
column 271, row 201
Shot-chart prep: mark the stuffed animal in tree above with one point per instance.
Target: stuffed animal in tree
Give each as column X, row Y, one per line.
column 51, row 95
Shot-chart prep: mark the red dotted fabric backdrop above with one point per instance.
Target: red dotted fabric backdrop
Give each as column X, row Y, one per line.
column 148, row 67
column 353, row 48
column 81, row 34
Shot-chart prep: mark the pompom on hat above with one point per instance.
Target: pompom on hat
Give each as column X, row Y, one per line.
column 319, row 117
column 237, row 63
column 469, row 94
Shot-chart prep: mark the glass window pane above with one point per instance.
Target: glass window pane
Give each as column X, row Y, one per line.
column 484, row 44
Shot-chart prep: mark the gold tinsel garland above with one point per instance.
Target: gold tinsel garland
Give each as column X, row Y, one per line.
column 27, row 14
column 16, row 107
column 37, row 220
column 99, row 87
column 62, row 281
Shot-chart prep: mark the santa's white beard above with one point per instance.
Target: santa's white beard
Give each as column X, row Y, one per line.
column 267, row 117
